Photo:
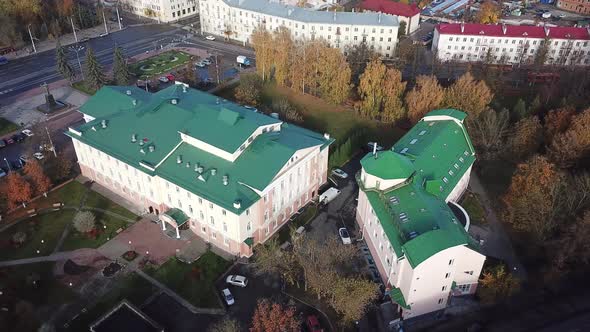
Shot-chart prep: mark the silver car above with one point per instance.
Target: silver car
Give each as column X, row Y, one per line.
column 237, row 280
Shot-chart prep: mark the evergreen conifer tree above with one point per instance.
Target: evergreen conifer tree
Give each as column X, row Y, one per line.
column 61, row 59
column 95, row 77
column 121, row 72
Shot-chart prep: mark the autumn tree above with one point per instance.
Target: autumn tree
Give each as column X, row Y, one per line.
column 286, row 110
column 572, row 146
column 489, row 13
column 426, row 96
column 488, row 132
column 250, row 89
column 401, row 31
column 19, row 190
column 61, row 60
column 573, row 247
column 95, row 77
column 393, row 89
column 84, row 221
column 334, row 75
column 282, row 58
column 226, row 324
column 351, row 296
column 301, row 72
column 270, row 259
column 469, row 95
column 497, row 285
column 557, row 121
column 63, row 167
column 121, row 73
column 526, row 138
column 264, row 47
column 9, row 32
column 519, row 110
column 270, row 316
column 65, row 8
column 370, row 89
column 40, row 182
column 358, row 57
column 532, row 201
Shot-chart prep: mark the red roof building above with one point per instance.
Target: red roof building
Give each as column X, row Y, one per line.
column 405, row 13
column 514, row 31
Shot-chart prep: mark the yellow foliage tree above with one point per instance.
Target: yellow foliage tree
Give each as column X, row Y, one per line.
column 282, row 58
column 573, row 145
column 497, row 285
column 262, row 42
column 394, row 88
column 334, row 75
column 426, row 96
column 489, row 13
column 371, row 89
column 468, row 95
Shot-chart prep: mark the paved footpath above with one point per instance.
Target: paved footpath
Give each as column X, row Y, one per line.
column 498, row 243
column 58, row 256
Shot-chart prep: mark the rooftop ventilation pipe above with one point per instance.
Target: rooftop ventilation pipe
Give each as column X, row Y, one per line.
column 188, row 164
column 142, row 151
column 200, row 169
column 375, row 150
column 213, row 171
column 133, row 138
column 141, row 142
column 237, row 204
column 179, row 159
column 184, row 88
column 196, row 167
column 103, row 123
column 134, row 102
column 174, row 101
column 151, row 148
column 128, row 92
column 225, row 180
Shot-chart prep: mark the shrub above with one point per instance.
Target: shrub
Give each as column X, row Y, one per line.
column 19, row 238
column 84, row 222
column 287, row 111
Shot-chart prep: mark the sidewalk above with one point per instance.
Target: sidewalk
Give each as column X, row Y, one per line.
column 67, row 39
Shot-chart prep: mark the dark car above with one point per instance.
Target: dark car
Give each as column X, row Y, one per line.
column 313, row 324
column 16, row 165
column 19, row 137
column 2, row 143
column 9, row 141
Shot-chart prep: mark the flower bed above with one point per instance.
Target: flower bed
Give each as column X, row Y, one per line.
column 130, row 255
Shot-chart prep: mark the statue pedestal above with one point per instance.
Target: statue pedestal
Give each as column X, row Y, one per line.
column 51, row 105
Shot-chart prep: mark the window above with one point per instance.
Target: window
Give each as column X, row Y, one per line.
column 469, row 272
column 464, row 288
column 190, row 208
column 211, row 220
column 447, row 275
column 210, row 205
column 223, row 212
column 200, row 201
column 204, row 229
column 444, row 288
column 451, row 261
column 377, row 183
column 226, row 241
column 213, row 235
column 247, row 212
column 249, row 226
column 440, row 301
column 224, row 226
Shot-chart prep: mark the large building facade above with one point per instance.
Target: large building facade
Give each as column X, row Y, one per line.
column 578, row 6
column 162, row 10
column 410, row 14
column 511, row 44
column 200, row 163
column 409, row 217
column 237, row 19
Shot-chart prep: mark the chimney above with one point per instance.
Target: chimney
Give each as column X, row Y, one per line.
column 237, row 204
column 174, row 101
column 462, row 27
column 134, row 102
column 188, row 164
column 379, row 17
column 152, row 148
column 184, row 88
column 504, row 28
column 326, row 136
column 213, row 171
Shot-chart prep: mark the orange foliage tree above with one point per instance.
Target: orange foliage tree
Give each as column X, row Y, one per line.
column 39, row 180
column 573, row 145
column 557, row 121
column 274, row 317
column 19, row 190
column 532, row 201
column 426, row 96
column 489, row 13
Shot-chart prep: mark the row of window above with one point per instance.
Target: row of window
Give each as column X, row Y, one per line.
column 521, row 41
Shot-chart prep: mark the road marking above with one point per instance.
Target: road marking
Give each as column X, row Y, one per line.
column 6, row 91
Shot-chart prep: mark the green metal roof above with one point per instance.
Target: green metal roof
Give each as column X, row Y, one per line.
column 249, row 241
column 388, row 165
column 449, row 112
column 414, row 215
column 157, row 122
column 398, row 297
column 177, row 215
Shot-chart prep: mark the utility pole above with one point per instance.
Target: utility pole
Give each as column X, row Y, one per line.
column 32, row 41
column 106, row 29
column 77, row 48
column 51, row 142
column 74, row 29
column 118, row 17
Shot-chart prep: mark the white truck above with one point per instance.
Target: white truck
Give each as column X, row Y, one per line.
column 242, row 60
column 329, row 195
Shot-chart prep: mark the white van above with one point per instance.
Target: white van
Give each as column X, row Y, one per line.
column 329, row 195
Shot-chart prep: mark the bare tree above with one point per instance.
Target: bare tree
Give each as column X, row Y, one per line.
column 488, row 132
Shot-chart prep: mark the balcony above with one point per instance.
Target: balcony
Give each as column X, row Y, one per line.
column 461, row 214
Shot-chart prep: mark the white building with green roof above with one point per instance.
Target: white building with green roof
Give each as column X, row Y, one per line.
column 199, row 162
column 408, row 214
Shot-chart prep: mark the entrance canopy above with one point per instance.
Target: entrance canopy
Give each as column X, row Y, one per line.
column 175, row 217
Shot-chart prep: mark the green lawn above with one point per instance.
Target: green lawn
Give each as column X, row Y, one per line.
column 81, row 86
column 159, row 64
column 194, row 282
column 49, row 291
column 76, row 240
column 70, row 194
column 474, row 208
column 47, row 227
column 7, row 127
column 132, row 287
column 96, row 200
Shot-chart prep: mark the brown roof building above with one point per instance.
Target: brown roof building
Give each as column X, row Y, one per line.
column 578, row 6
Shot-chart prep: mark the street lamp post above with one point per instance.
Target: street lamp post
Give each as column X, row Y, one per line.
column 77, row 49
column 118, row 17
column 8, row 164
column 74, row 29
column 51, row 142
column 32, row 41
column 106, row 29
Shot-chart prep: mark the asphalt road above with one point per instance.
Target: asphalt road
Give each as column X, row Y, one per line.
column 30, row 72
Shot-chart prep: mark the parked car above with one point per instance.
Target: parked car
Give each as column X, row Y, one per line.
column 210, row 38
column 38, row 155
column 229, row 299
column 16, row 165
column 27, row 132
column 329, row 195
column 200, row 64
column 163, row 79
column 104, row 34
column 207, row 61
column 18, row 137
column 3, row 60
column 344, row 236
column 170, row 77
column 375, row 275
column 2, row 173
column 371, row 145
column 313, row 324
column 83, row 40
column 2, row 143
column 339, row 173
column 237, row 280
column 24, row 159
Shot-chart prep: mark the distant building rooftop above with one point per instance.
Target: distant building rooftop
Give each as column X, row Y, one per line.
column 515, row 31
column 125, row 317
column 390, row 7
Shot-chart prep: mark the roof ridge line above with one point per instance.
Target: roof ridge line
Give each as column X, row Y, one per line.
column 169, row 153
